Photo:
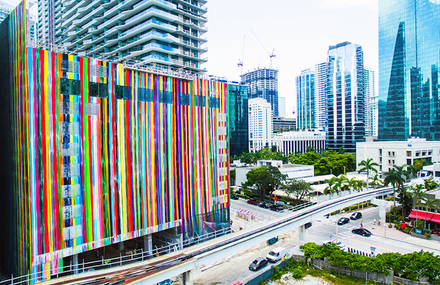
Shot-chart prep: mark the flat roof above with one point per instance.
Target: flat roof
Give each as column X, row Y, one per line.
column 318, row 178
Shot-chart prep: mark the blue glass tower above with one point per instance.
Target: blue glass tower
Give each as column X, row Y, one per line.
column 409, row 55
column 238, row 119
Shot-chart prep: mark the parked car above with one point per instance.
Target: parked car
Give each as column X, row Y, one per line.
column 234, row 197
column 343, row 221
column 276, row 208
column 258, row 263
column 276, row 254
column 264, row 205
column 362, row 232
column 253, row 201
column 356, row 216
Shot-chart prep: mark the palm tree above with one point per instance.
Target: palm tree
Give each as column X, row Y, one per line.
column 418, row 195
column 331, row 187
column 368, row 165
column 355, row 184
column 395, row 178
column 429, row 204
column 376, row 181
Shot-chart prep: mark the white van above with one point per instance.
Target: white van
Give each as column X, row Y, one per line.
column 276, row 254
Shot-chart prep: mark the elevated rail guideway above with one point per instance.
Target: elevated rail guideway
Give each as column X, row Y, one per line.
column 191, row 259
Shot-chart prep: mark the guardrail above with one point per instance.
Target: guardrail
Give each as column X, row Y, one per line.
column 136, row 255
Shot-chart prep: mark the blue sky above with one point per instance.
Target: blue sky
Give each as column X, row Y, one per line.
column 299, row 31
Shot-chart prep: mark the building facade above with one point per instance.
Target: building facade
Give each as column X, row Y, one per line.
column 4, row 12
column 300, row 141
column 390, row 153
column 166, row 34
column 282, row 107
column 409, row 103
column 311, row 98
column 102, row 154
column 372, row 103
column 263, row 83
column 283, row 124
column 345, row 96
column 260, row 124
column 238, row 119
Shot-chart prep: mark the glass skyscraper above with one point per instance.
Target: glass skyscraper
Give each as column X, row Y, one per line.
column 345, row 96
column 238, row 119
column 409, row 55
column 311, row 97
column 263, row 83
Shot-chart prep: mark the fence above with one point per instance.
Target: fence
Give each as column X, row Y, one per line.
column 136, row 255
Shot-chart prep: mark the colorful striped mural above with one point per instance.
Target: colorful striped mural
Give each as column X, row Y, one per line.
column 105, row 153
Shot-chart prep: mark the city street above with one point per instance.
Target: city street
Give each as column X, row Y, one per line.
column 383, row 240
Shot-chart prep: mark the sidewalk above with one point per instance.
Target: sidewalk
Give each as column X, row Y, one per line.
column 394, row 234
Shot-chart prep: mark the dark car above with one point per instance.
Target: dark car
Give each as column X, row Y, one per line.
column 362, row 232
column 356, row 216
column 234, row 197
column 258, row 263
column 253, row 202
column 343, row 221
column 264, row 205
column 276, row 208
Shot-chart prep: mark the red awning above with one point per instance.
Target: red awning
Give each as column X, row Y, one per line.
column 427, row 216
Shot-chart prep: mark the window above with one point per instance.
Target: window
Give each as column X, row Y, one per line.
column 418, row 153
column 408, row 153
column 408, row 162
column 98, row 90
column 70, row 86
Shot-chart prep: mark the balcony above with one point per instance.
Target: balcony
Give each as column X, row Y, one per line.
column 114, row 9
column 154, row 11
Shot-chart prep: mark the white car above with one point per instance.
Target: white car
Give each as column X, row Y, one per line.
column 276, row 254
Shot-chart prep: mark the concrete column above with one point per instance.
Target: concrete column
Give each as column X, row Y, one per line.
column 302, row 233
column 187, row 278
column 75, row 263
column 148, row 244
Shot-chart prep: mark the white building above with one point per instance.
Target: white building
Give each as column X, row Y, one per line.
column 282, row 107
column 372, row 101
column 260, row 124
column 299, row 141
column 390, row 153
column 293, row 171
column 166, row 34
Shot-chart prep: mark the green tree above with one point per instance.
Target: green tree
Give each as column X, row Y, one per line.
column 376, row 181
column 429, row 205
column 369, row 166
column 264, row 180
column 395, row 178
column 355, row 184
column 430, row 184
column 299, row 189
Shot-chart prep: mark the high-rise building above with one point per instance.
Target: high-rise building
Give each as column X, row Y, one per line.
column 158, row 33
column 263, row 83
column 345, row 96
column 305, row 91
column 372, row 100
column 311, row 98
column 100, row 156
column 281, row 124
column 238, row 119
column 49, row 21
column 260, row 124
column 409, row 44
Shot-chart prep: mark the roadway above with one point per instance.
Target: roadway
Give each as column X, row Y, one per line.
column 206, row 254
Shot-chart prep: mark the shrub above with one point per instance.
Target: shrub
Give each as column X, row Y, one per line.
column 297, row 273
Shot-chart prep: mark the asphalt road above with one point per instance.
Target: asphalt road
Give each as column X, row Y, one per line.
column 383, row 240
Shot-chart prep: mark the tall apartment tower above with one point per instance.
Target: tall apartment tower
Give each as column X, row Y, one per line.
column 345, row 96
column 409, row 98
column 311, row 97
column 157, row 33
column 49, row 21
column 372, row 110
column 263, row 83
column 260, row 124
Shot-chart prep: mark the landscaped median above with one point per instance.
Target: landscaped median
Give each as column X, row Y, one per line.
column 337, row 266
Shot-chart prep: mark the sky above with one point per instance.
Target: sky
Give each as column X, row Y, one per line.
column 298, row 31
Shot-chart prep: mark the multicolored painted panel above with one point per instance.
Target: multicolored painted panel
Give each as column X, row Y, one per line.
column 109, row 154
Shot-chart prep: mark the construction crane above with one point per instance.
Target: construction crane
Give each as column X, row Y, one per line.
column 241, row 60
column 272, row 55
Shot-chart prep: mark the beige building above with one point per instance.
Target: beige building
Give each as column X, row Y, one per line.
column 390, row 153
